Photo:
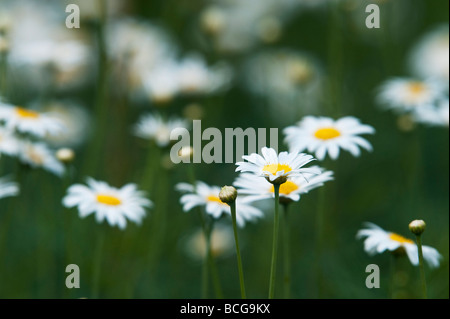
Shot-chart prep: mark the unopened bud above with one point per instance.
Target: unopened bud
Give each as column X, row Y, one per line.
column 65, row 155
column 417, row 227
column 228, row 194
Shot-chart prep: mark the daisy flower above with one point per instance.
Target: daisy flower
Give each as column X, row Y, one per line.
column 9, row 144
column 39, row 155
column 276, row 168
column 430, row 55
column 154, row 127
column 377, row 240
column 29, row 121
column 406, row 94
column 107, row 202
column 208, row 196
column 8, row 188
column 324, row 135
column 435, row 115
column 255, row 189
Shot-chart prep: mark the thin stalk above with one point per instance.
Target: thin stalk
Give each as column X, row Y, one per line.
column 286, row 253
column 3, row 73
column 275, row 241
column 422, row 268
column 98, row 253
column 238, row 251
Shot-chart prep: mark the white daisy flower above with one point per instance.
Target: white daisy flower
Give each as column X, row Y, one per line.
column 29, row 121
column 222, row 242
column 406, row 94
column 8, row 188
column 208, row 196
column 255, row 189
column 324, row 135
column 154, row 127
column 276, row 168
column 435, row 115
column 161, row 84
column 9, row 144
column 430, row 55
column 377, row 240
column 107, row 202
column 195, row 77
column 39, row 155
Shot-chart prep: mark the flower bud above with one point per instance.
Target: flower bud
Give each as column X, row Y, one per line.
column 65, row 155
column 228, row 194
column 417, row 227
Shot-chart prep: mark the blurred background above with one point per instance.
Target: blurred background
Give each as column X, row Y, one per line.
column 236, row 63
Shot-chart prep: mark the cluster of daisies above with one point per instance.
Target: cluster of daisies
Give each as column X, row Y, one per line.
column 424, row 96
column 22, row 135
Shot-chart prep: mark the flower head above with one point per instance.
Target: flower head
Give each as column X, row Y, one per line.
column 9, row 144
column 324, row 135
column 154, row 127
column 406, row 94
column 28, row 121
column 377, row 240
column 116, row 205
column 276, row 168
column 254, row 188
column 39, row 155
column 208, row 196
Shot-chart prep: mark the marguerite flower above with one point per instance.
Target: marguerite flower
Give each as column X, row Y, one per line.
column 434, row 115
column 9, row 144
column 208, row 196
column 406, row 94
column 255, row 189
column 154, row 127
column 116, row 205
column 324, row 135
column 377, row 240
column 39, row 155
column 29, row 121
column 8, row 188
column 276, row 168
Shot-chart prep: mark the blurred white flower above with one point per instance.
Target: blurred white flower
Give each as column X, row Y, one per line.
column 9, row 144
column 29, row 121
column 322, row 135
column 154, row 127
column 435, row 115
column 8, row 188
column 406, row 94
column 38, row 155
column 116, row 205
column 254, row 188
column 195, row 77
column 429, row 58
column 290, row 81
column 222, row 242
column 75, row 120
column 208, row 196
column 377, row 240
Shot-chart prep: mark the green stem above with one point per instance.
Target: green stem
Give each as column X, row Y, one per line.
column 286, row 253
column 97, row 262
column 422, row 268
column 238, row 251
column 393, row 267
column 275, row 242
column 3, row 73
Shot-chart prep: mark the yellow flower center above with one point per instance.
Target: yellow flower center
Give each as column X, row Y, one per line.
column 214, row 198
column 287, row 188
column 274, row 168
column 327, row 133
column 400, row 239
column 416, row 88
column 108, row 200
column 24, row 113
